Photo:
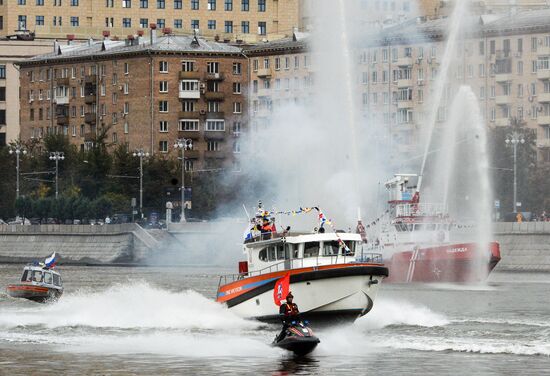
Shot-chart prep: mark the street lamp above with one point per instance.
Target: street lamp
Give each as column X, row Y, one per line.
column 514, row 139
column 57, row 156
column 17, row 150
column 183, row 144
column 140, row 153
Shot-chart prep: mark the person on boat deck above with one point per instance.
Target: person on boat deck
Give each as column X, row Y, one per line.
column 288, row 312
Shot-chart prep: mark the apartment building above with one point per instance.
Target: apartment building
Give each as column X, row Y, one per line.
column 280, row 74
column 248, row 20
column 145, row 92
column 506, row 62
column 12, row 51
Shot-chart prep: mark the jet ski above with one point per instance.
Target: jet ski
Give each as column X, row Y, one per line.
column 298, row 338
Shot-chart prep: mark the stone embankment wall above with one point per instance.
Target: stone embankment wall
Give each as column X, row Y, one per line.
column 76, row 244
column 524, row 246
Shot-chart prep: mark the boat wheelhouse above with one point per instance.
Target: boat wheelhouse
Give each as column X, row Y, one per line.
column 38, row 284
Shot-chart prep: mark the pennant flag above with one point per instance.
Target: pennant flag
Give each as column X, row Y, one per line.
column 282, row 288
column 50, row 261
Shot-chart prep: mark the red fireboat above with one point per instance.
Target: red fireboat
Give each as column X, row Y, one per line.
column 420, row 243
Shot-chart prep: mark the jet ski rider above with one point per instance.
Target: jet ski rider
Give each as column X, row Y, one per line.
column 288, row 312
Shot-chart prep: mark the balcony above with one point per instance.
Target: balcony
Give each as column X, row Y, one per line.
column 543, row 74
column 214, row 135
column 90, row 118
column 502, row 122
column 405, row 61
column 62, row 119
column 264, row 92
column 193, row 75
column 503, row 77
column 90, row 79
column 543, row 143
column 543, row 120
column 189, row 94
column 62, row 81
column 214, row 154
column 405, row 104
column 543, row 50
column 503, row 100
column 264, row 73
column 195, row 135
column 89, row 99
column 404, row 83
column 189, row 115
column 214, row 77
column 214, row 96
column 215, row 115
column 88, row 137
column 192, row 154
column 62, row 100
column 544, row 97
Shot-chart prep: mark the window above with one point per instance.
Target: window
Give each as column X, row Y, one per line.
column 163, row 106
column 215, row 125
column 188, row 66
column 161, row 4
column 228, row 5
column 189, row 165
column 188, row 125
column 21, row 2
column 236, row 88
column 144, row 23
column 163, row 86
column 22, row 22
column 245, row 5
column 189, row 85
column 188, row 106
column 163, row 126
column 261, row 5
column 161, row 23
column 212, row 67
column 482, row 92
column 109, row 3
column 211, row 5
column 126, row 3
column 163, row 66
column 237, row 68
column 178, row 23
column 144, row 4
column 213, row 106
column 194, row 24
column 236, row 147
column 520, row 67
column 237, row 128
column 534, row 43
column 213, row 146
column 194, row 4
column 163, row 146
column 178, row 4
column 39, row 21
column 262, row 28
column 211, row 24
column 237, row 107
column 39, row 3
column 228, row 26
column 126, row 22
column 245, row 27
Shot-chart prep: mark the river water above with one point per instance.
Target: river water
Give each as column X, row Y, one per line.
column 120, row 321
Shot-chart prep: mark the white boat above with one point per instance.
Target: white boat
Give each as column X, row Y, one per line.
column 327, row 282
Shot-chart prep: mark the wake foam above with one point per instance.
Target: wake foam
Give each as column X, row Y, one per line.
column 129, row 306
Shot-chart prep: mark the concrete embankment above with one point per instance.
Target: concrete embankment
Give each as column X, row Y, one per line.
column 524, row 246
column 77, row 244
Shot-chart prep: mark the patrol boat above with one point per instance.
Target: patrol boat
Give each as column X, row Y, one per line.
column 39, row 283
column 328, row 283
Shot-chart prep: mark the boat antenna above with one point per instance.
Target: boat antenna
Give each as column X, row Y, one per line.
column 358, row 213
column 246, row 212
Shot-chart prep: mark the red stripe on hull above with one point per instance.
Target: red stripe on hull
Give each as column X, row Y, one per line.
column 450, row 263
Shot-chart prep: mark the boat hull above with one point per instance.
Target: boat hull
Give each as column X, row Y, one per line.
column 458, row 263
column 40, row 294
column 326, row 295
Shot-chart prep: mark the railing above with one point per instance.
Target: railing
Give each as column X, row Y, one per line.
column 420, row 209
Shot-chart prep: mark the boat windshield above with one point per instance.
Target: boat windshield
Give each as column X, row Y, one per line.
column 56, row 280
column 311, row 249
column 48, row 278
column 37, row 276
column 26, row 277
column 330, row 248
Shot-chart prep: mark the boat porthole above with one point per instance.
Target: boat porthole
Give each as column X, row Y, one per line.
column 308, row 283
column 257, row 301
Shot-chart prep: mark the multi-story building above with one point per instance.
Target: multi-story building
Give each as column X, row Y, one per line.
column 228, row 19
column 145, row 93
column 506, row 63
column 12, row 51
column 280, row 73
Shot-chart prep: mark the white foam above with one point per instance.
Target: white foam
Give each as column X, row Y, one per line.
column 400, row 312
column 129, row 306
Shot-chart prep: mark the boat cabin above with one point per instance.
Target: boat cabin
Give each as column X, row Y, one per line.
column 37, row 275
column 301, row 250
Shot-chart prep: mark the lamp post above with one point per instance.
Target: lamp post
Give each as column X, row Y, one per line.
column 140, row 153
column 514, row 139
column 57, row 156
column 17, row 150
column 183, row 144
